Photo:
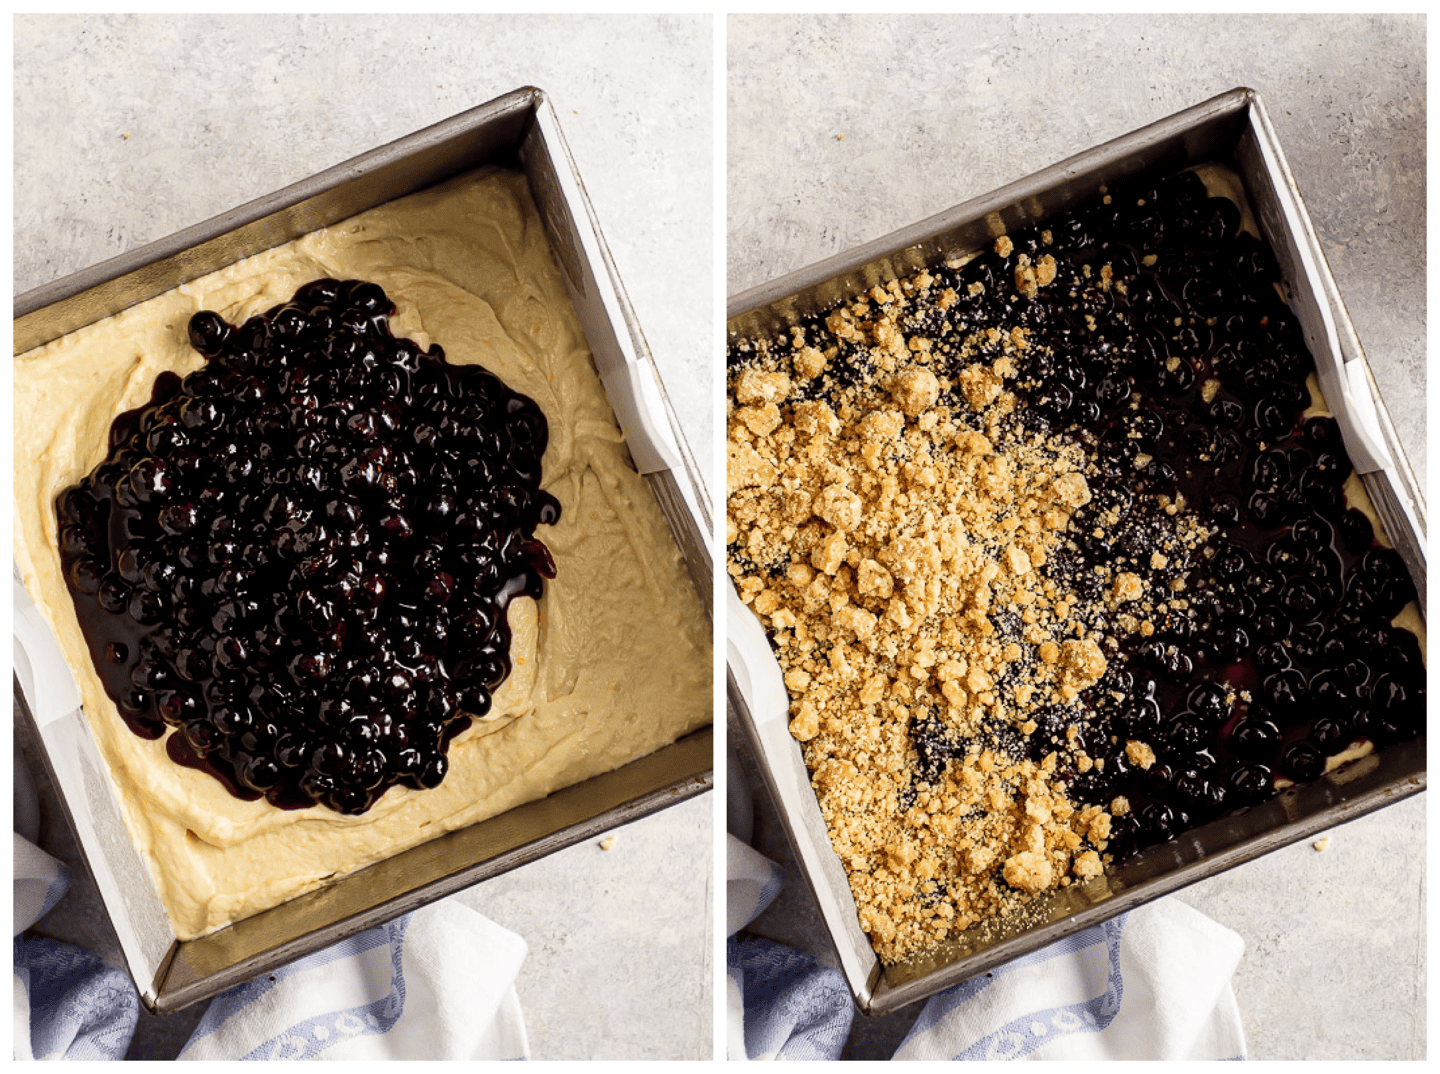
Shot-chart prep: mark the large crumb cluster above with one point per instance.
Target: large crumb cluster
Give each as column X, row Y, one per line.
column 894, row 533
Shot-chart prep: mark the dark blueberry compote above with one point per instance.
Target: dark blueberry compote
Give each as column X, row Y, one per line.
column 1160, row 343
column 300, row 556
column 1185, row 377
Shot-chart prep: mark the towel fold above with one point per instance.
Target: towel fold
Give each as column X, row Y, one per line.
column 435, row 984
column 1154, row 983
column 67, row 1003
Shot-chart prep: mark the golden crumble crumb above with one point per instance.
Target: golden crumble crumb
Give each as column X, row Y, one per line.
column 756, row 387
column 1128, row 587
column 840, row 507
column 1045, row 270
column 1030, row 871
column 746, row 468
column 915, row 391
column 809, row 363
column 1029, row 278
column 806, row 724
column 1140, row 754
column 1088, row 865
column 761, row 420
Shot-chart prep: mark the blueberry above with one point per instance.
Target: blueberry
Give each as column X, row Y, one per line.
column 1226, row 413
column 1356, row 532
column 475, row 701
column 1161, row 821
column 1225, row 508
column 133, row 703
column 1272, row 657
column 1202, row 794
column 151, row 479
column 259, row 772
column 1285, row 693
column 310, row 667
column 370, row 300
column 1231, row 561
column 1323, row 433
column 1330, row 734
column 84, row 575
column 477, row 624
column 201, row 414
column 1210, row 703
column 1399, row 701
column 1273, row 417
column 1185, row 734
column 1263, row 583
column 1268, row 510
column 1251, row 783
column 208, row 333
column 1230, row 642
column 1272, row 624
column 150, row 675
column 1301, row 599
column 1268, row 471
column 432, row 771
column 1302, row 762
column 146, row 607
column 1111, row 392
column 178, row 519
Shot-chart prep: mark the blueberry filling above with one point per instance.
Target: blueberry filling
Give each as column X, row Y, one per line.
column 1200, row 363
column 301, row 555
column 1185, row 379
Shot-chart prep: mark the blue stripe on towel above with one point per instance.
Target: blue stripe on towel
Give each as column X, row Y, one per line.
column 308, row 1038
column 1024, row 1034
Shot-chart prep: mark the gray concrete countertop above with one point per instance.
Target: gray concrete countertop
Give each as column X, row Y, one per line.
column 842, row 129
column 129, row 128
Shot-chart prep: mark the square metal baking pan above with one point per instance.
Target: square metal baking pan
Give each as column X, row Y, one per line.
column 520, row 131
column 1230, row 129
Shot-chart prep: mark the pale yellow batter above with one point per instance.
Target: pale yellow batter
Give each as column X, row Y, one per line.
column 612, row 664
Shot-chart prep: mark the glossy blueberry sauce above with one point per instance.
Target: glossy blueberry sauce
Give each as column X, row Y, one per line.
column 301, row 555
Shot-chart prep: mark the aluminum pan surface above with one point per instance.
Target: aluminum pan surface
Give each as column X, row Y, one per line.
column 1232, row 129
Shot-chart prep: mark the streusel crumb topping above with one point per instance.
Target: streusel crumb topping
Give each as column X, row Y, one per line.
column 895, row 533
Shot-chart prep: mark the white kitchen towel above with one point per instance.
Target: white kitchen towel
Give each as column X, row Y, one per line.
column 781, row 1003
column 40, row 880
column 1151, row 984
column 1154, row 983
column 435, row 984
column 751, row 883
column 67, row 1003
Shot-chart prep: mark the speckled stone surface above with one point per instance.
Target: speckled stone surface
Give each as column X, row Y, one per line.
column 129, row 128
column 842, row 129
